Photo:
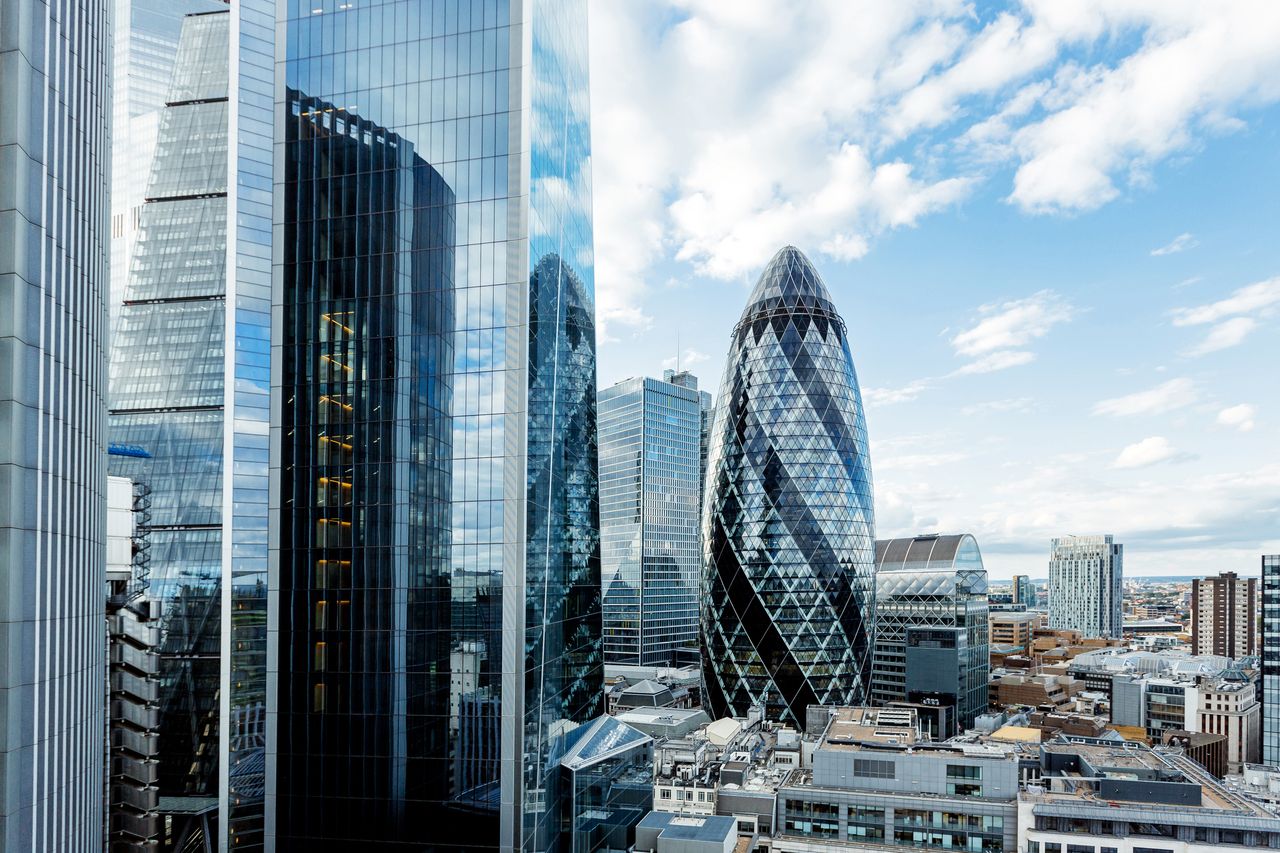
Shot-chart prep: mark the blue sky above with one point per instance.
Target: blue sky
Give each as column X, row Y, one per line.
column 1051, row 229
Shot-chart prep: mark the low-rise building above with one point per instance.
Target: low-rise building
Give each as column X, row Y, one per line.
column 1036, row 691
column 1012, row 629
column 1096, row 797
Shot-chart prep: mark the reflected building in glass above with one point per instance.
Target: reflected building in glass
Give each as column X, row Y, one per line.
column 650, row 504
column 936, row 583
column 189, row 387
column 435, row 611
column 788, row 528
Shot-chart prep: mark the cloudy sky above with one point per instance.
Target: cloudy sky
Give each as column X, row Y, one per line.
column 1052, row 229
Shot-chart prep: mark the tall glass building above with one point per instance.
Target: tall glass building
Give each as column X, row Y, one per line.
column 435, row 609
column 54, row 215
column 1086, row 585
column 1271, row 659
column 936, row 582
column 650, row 505
column 788, row 527
column 190, row 387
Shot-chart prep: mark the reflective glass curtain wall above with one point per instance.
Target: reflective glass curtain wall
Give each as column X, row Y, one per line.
column 650, row 498
column 491, row 95
column 167, row 381
column 54, row 280
column 191, row 387
column 788, row 528
column 1271, row 659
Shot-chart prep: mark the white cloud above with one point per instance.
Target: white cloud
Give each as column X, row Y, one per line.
column 1149, row 451
column 915, row 461
column 1234, row 317
column 687, row 359
column 992, row 362
column 1238, row 417
column 723, row 130
column 1264, row 296
column 1178, row 244
column 1013, row 405
column 1228, row 333
column 890, row 396
column 996, row 341
column 1174, row 394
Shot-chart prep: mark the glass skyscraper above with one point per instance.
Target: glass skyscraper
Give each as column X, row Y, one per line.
column 932, row 582
column 1086, row 585
column 191, row 389
column 1271, row 659
column 54, row 215
column 650, row 503
column 436, row 609
column 788, row 527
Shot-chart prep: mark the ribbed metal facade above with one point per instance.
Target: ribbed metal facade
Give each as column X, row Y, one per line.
column 788, row 526
column 54, row 216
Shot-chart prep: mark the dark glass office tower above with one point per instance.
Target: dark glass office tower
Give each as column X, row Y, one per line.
column 55, row 85
column 365, row 479
column 436, row 613
column 788, row 524
column 1271, row 659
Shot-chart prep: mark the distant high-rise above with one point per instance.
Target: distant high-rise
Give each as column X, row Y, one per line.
column 650, row 504
column 788, row 526
column 1086, row 587
column 1224, row 610
column 1271, row 659
column 935, row 582
column 435, row 537
column 1024, row 591
column 55, row 84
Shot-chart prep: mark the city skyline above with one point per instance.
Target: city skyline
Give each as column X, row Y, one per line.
column 1071, row 367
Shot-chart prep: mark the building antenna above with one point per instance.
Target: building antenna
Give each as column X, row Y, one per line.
column 677, row 350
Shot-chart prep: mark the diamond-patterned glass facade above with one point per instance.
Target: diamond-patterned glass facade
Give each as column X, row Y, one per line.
column 788, row 525
column 932, row 582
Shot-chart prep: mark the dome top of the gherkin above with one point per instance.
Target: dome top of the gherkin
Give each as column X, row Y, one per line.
column 789, row 281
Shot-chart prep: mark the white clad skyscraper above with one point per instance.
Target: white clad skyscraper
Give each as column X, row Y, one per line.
column 55, row 80
column 1086, row 585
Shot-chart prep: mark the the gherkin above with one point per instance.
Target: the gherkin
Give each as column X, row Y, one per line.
column 788, row 523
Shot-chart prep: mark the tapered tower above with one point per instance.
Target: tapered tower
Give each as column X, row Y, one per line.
column 788, row 523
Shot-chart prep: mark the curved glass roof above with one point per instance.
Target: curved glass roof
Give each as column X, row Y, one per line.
column 953, row 551
column 789, row 281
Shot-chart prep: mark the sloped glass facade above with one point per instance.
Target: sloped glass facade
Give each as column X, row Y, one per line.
column 168, row 382
column 789, row 525
column 932, row 582
column 503, row 610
